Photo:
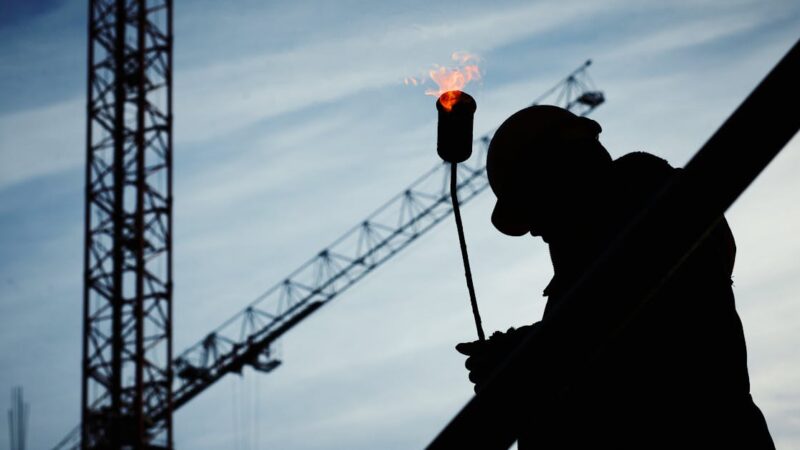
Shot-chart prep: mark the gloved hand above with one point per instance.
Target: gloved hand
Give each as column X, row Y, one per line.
column 485, row 356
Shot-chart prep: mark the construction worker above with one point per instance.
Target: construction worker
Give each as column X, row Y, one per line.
column 677, row 376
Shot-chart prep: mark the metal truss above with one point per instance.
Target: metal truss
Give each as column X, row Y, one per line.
column 127, row 372
column 247, row 337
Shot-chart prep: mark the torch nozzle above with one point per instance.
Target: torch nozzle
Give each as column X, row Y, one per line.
column 454, row 138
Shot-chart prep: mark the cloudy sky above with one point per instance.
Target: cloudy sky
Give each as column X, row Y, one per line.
column 292, row 124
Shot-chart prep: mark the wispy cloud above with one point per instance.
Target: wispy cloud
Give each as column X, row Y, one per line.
column 696, row 30
column 223, row 96
column 41, row 141
column 228, row 95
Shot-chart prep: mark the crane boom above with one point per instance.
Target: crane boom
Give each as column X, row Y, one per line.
column 246, row 338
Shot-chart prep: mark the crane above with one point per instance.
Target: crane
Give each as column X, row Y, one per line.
column 247, row 338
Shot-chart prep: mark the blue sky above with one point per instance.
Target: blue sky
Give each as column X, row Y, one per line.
column 292, row 123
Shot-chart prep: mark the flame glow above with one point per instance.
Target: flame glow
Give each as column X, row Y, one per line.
column 450, row 79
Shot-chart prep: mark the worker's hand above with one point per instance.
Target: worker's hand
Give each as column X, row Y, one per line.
column 486, row 356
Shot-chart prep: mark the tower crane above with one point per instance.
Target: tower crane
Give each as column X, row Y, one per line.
column 247, row 338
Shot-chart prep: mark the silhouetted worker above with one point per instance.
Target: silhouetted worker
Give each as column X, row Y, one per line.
column 677, row 376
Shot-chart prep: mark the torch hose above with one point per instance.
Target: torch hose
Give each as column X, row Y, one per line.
column 464, row 255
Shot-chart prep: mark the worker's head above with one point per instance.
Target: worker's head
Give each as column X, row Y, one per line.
column 544, row 165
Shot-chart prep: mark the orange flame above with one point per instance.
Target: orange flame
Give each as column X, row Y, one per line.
column 454, row 79
column 450, row 79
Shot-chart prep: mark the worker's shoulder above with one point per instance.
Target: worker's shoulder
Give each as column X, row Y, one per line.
column 640, row 175
column 642, row 171
column 642, row 162
column 637, row 176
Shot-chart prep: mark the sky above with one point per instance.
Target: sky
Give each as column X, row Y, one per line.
column 292, row 124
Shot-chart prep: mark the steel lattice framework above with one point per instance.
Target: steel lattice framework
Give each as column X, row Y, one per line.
column 127, row 372
column 247, row 337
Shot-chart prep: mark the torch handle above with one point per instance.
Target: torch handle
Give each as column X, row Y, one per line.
column 464, row 256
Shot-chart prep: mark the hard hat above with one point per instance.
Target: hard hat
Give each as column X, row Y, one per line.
column 535, row 145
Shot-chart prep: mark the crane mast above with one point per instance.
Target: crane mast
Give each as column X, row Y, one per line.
column 247, row 337
column 127, row 334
